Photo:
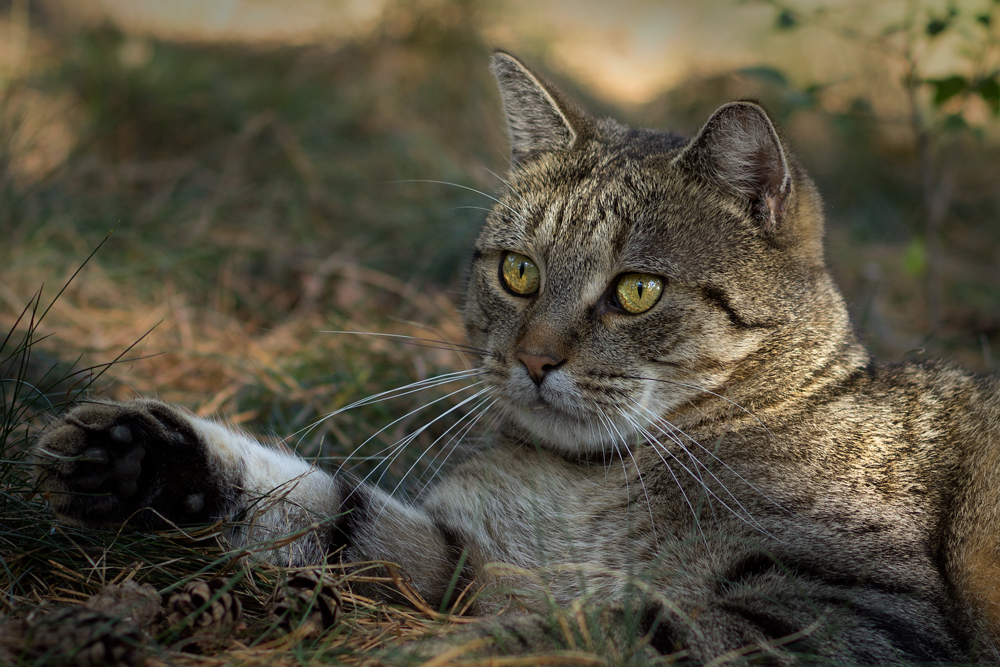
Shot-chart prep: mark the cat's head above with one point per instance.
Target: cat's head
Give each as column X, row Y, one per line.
column 629, row 274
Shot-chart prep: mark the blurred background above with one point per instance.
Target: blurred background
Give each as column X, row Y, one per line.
column 273, row 171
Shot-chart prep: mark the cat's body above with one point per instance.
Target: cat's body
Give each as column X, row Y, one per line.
column 689, row 431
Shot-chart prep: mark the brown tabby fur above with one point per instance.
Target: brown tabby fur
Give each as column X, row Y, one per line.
column 727, row 473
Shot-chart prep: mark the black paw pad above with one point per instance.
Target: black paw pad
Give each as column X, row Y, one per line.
column 194, row 503
column 141, row 461
column 120, row 434
column 111, row 461
column 126, row 472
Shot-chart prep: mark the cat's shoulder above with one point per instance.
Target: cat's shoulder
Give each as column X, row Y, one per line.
column 940, row 397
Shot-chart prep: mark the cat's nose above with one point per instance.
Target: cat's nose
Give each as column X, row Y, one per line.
column 538, row 365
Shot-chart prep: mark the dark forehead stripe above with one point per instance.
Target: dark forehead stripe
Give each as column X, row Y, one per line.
column 601, row 190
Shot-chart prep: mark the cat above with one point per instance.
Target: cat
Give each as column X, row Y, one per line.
column 689, row 435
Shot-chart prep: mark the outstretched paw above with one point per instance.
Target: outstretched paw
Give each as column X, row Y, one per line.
column 104, row 463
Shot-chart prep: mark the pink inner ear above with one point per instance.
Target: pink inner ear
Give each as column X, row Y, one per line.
column 770, row 188
column 774, row 207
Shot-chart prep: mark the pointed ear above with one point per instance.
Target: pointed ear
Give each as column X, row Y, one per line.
column 539, row 118
column 739, row 149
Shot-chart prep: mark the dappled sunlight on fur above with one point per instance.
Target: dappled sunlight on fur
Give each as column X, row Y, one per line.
column 718, row 470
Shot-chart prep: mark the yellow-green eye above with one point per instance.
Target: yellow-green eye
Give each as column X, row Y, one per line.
column 638, row 292
column 519, row 274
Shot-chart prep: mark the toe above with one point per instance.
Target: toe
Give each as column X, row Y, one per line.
column 95, row 455
column 120, row 434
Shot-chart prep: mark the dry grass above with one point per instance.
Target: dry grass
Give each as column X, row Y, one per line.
column 241, row 244
column 250, row 195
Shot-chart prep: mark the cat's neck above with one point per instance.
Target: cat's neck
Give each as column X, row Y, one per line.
column 798, row 362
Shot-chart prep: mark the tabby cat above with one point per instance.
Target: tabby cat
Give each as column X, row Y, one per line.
column 689, row 435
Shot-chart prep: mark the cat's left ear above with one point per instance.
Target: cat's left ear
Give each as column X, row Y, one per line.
column 739, row 149
column 539, row 117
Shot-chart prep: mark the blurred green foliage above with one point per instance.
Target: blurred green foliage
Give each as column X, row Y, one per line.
column 208, row 155
column 907, row 169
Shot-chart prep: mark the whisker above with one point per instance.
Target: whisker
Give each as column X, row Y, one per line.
column 474, row 410
column 654, row 441
column 694, row 459
column 694, row 514
column 729, row 468
column 507, row 183
column 706, row 391
column 409, row 438
column 752, row 521
column 695, row 462
column 415, row 434
column 446, row 344
column 457, row 439
column 429, row 383
column 642, row 482
column 606, row 469
column 413, row 387
column 657, row 419
column 475, row 208
column 411, row 413
column 607, row 425
column 464, row 187
column 660, row 447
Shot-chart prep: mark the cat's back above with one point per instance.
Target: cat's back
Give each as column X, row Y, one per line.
column 899, row 464
column 950, row 443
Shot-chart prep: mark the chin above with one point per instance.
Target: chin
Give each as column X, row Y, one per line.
column 583, row 434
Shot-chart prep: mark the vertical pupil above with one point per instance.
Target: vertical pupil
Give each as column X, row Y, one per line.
column 520, row 268
column 638, row 288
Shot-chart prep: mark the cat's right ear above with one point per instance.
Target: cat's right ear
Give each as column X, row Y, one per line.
column 539, row 118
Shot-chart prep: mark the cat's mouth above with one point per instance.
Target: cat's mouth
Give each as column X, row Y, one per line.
column 560, row 414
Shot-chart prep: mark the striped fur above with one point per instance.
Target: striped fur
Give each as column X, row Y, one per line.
column 727, row 473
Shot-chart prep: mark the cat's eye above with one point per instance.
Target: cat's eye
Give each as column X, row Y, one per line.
column 638, row 292
column 519, row 274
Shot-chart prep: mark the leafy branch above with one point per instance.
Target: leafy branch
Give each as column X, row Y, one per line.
column 941, row 110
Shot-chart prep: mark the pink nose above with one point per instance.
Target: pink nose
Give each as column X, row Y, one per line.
column 538, row 365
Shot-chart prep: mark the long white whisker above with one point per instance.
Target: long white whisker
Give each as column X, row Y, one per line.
column 409, row 414
column 423, row 428
column 610, row 425
column 657, row 420
column 464, row 187
column 447, row 345
column 642, row 482
column 706, row 391
column 695, row 462
column 457, row 439
column 652, row 441
column 749, row 519
column 398, row 392
column 507, row 183
column 603, row 422
column 400, row 446
column 697, row 475
column 473, row 415
column 474, row 208
column 727, row 466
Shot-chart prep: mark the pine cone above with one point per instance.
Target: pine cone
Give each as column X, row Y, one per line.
column 204, row 607
column 306, row 597
column 131, row 602
column 80, row 637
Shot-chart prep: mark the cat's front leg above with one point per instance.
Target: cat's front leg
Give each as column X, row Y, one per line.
column 152, row 464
